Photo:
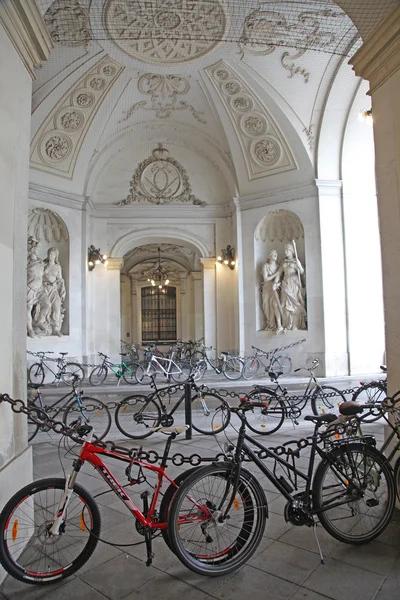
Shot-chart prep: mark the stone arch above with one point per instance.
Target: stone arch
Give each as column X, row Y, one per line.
column 159, row 234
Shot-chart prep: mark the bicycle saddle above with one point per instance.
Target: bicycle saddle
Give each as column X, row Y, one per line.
column 34, row 386
column 349, row 408
column 328, row 418
column 274, row 374
column 63, row 353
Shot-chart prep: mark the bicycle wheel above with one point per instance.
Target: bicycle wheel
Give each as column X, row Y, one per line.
column 372, row 394
column 183, row 374
column 199, row 370
column 72, row 372
column 91, row 411
column 326, row 399
column 98, row 375
column 196, row 357
column 357, row 481
column 145, row 372
column 33, row 426
column 397, row 477
column 233, row 367
column 36, row 374
column 136, row 415
column 27, row 550
column 129, row 373
column 203, row 537
column 210, row 413
column 268, row 418
column 282, row 363
column 251, row 367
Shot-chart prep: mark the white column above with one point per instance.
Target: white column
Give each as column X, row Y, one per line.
column 333, row 278
column 210, row 308
column 378, row 60
column 184, row 307
column 24, row 42
column 114, row 307
column 198, row 306
column 135, row 311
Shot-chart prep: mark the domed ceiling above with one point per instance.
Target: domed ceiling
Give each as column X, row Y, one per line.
column 232, row 92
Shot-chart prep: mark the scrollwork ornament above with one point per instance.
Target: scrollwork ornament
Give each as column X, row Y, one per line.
column 68, row 23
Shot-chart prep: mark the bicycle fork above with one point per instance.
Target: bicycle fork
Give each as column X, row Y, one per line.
column 63, row 504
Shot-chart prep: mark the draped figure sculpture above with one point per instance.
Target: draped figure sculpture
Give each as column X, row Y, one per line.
column 48, row 313
column 270, row 299
column 35, row 270
column 292, row 296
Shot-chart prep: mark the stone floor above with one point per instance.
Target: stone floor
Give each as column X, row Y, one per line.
column 286, row 566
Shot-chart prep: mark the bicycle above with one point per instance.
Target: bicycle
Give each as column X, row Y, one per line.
column 148, row 369
column 137, row 415
column 371, row 394
column 281, row 363
column 277, row 405
column 65, row 370
column 230, row 366
column 76, row 407
column 51, row 527
column 124, row 370
column 218, row 514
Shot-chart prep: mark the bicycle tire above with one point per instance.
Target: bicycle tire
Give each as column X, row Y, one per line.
column 82, row 519
column 184, row 374
column 33, row 428
column 36, row 374
column 136, row 415
column 265, row 420
column 321, row 404
column 145, row 372
column 190, row 528
column 199, row 370
column 98, row 375
column 281, row 363
column 397, row 478
column 70, row 370
column 370, row 393
column 92, row 411
column 233, row 368
column 210, row 413
column 196, row 357
column 333, row 480
column 129, row 374
column 251, row 367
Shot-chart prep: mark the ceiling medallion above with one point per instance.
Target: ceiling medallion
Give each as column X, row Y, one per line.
column 68, row 23
column 165, row 32
column 160, row 180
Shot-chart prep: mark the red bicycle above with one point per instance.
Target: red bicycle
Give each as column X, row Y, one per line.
column 50, row 528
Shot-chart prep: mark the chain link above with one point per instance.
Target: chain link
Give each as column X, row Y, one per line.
column 178, row 459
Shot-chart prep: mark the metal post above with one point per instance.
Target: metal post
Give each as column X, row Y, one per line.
column 188, row 410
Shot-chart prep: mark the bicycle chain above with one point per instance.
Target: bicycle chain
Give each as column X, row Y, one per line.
column 152, row 456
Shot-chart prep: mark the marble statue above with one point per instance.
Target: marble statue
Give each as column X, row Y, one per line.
column 270, row 299
column 283, row 293
column 35, row 269
column 46, row 293
column 49, row 310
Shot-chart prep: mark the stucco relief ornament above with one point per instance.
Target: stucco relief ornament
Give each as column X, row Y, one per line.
column 160, row 179
column 58, row 147
column 165, row 32
column 267, row 151
column 72, row 120
column 266, row 30
column 163, row 91
column 68, row 23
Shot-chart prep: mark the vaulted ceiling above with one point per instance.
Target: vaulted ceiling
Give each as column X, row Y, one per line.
column 217, row 97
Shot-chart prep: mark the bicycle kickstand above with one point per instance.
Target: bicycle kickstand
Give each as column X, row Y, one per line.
column 148, row 533
column 318, row 544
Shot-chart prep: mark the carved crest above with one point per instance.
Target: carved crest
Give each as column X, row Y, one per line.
column 160, row 179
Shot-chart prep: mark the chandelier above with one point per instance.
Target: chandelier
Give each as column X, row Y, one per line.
column 158, row 276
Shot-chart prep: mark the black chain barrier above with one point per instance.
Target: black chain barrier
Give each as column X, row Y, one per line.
column 291, row 448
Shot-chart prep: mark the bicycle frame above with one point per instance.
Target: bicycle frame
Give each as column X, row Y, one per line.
column 91, row 453
column 68, row 395
column 60, row 365
column 155, row 361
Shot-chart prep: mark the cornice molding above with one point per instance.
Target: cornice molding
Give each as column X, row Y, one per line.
column 275, row 197
column 328, row 187
column 27, row 31
column 146, row 211
column 114, row 264
column 379, row 57
column 208, row 263
column 56, row 197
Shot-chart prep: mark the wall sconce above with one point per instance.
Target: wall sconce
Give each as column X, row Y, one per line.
column 95, row 257
column 366, row 116
column 227, row 258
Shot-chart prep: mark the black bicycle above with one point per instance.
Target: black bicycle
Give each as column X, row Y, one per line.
column 218, row 514
column 371, row 394
column 137, row 415
column 74, row 408
column 63, row 370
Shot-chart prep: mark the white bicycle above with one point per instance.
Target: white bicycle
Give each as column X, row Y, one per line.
column 178, row 371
